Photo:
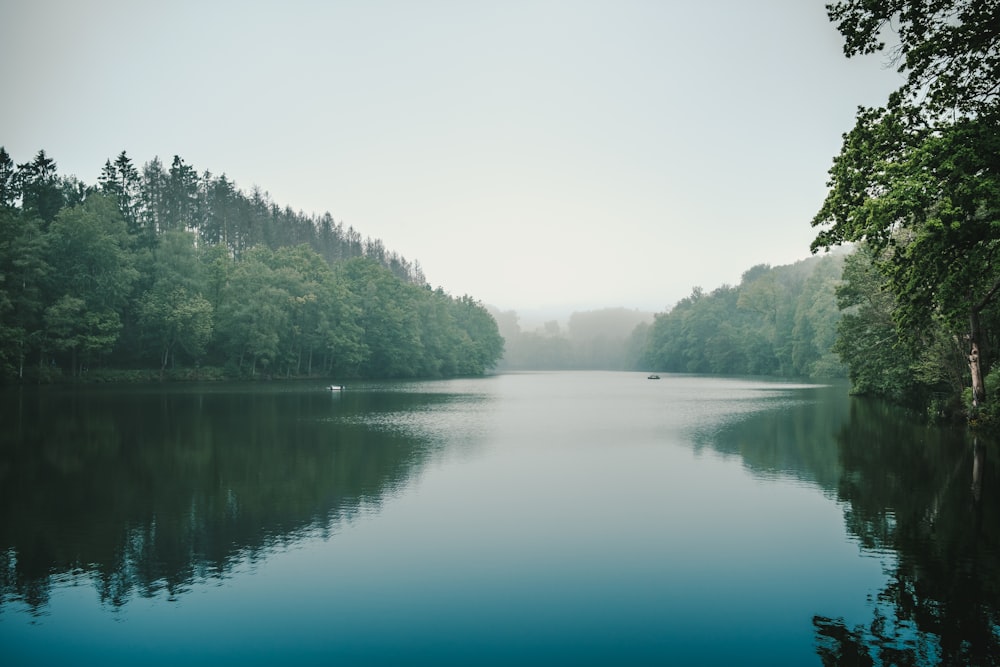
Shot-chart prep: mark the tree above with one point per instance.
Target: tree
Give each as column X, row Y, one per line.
column 168, row 263
column 120, row 179
column 153, row 195
column 928, row 201
column 24, row 274
column 949, row 49
column 93, row 274
column 177, row 318
column 181, row 196
column 41, row 193
column 815, row 322
column 8, row 180
column 254, row 312
column 388, row 319
column 72, row 327
column 919, row 179
column 221, row 212
column 777, row 321
column 173, row 313
column 480, row 343
column 89, row 250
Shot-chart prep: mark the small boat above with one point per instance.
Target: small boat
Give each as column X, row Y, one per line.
column 653, row 377
column 335, row 387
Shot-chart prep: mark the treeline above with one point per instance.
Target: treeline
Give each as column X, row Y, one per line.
column 924, row 367
column 170, row 270
column 779, row 321
column 916, row 186
column 592, row 340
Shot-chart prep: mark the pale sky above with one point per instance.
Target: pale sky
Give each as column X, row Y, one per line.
column 569, row 155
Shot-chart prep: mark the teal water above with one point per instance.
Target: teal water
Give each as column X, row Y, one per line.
column 536, row 518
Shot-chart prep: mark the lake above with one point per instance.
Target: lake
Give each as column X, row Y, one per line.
column 569, row 518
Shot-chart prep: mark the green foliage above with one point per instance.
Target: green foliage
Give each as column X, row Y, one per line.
column 166, row 266
column 918, row 181
column 928, row 202
column 778, row 321
column 409, row 331
column 985, row 417
column 868, row 341
column 89, row 250
column 37, row 183
column 949, row 49
column 72, row 327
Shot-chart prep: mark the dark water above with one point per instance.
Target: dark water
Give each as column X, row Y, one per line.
column 550, row 519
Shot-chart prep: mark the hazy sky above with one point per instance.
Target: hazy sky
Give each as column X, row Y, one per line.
column 574, row 154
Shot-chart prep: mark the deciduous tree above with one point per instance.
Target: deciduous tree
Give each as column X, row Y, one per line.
column 919, row 179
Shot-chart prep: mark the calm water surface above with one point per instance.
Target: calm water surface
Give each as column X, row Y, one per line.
column 537, row 518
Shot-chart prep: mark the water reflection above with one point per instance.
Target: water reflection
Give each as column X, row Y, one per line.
column 923, row 498
column 582, row 518
column 927, row 497
column 147, row 491
column 787, row 434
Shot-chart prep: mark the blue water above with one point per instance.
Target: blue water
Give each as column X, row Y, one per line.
column 550, row 518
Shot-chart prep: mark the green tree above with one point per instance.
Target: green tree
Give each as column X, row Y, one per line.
column 339, row 329
column 303, row 274
column 927, row 199
column 815, row 322
column 24, row 274
column 881, row 361
column 949, row 49
column 173, row 312
column 178, row 318
column 777, row 321
column 40, row 189
column 120, row 179
column 388, row 319
column 480, row 343
column 92, row 277
column 254, row 311
column 868, row 341
column 152, row 214
column 8, row 180
column 181, row 196
column 919, row 179
column 71, row 327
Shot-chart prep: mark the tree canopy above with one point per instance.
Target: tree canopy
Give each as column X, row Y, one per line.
column 918, row 180
column 778, row 321
column 168, row 270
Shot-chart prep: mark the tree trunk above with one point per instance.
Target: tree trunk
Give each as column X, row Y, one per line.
column 976, row 361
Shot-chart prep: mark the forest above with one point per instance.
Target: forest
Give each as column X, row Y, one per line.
column 779, row 321
column 911, row 312
column 916, row 188
column 183, row 273
column 164, row 273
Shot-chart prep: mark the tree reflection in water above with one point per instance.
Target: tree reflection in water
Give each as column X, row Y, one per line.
column 926, row 497
column 146, row 492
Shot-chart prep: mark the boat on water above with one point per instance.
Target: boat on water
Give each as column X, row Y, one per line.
column 653, row 377
column 335, row 387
